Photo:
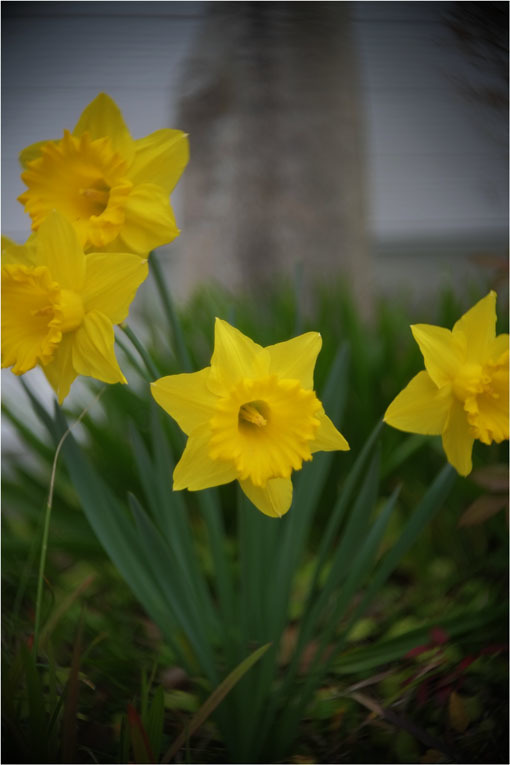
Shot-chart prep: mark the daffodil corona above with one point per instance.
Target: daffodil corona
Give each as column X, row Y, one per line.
column 113, row 189
column 462, row 394
column 59, row 305
column 251, row 416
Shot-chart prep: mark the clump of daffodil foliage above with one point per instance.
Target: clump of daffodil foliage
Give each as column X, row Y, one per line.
column 249, row 608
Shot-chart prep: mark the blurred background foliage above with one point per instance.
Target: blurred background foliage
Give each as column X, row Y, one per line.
column 402, row 691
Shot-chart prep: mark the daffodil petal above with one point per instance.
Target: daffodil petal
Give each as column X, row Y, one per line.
column 421, row 407
column 442, row 351
column 274, row 499
column 499, row 345
column 60, row 372
column 111, row 281
column 295, row 359
column 58, row 248
column 478, row 326
column 196, row 470
column 93, row 349
column 32, row 152
column 17, row 254
column 149, row 220
column 457, row 439
column 235, row 356
column 328, row 438
column 186, row 398
column 101, row 118
column 160, row 158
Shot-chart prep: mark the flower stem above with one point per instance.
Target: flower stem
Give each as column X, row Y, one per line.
column 151, row 367
column 42, row 564
column 46, row 526
column 180, row 346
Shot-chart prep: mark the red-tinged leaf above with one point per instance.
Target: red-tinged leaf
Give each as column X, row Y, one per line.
column 493, row 478
column 417, row 651
column 465, row 663
column 457, row 713
column 442, row 694
column 423, row 693
column 139, row 738
column 439, row 636
column 448, row 680
column 494, row 648
column 482, row 509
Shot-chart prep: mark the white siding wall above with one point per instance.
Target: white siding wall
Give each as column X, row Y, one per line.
column 437, row 161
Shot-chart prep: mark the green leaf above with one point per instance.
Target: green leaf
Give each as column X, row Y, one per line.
column 69, row 719
column 155, row 722
column 115, row 531
column 173, row 585
column 36, row 739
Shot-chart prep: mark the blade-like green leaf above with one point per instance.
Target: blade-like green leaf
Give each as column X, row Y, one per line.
column 69, row 719
column 180, row 348
column 359, row 570
column 173, row 586
column 155, row 721
column 115, row 531
column 427, row 508
column 36, row 735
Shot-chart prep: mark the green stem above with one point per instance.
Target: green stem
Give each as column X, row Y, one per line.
column 151, row 367
column 42, row 564
column 142, row 371
column 46, row 527
column 180, row 347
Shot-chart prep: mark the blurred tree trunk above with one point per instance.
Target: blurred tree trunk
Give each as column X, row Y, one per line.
column 276, row 177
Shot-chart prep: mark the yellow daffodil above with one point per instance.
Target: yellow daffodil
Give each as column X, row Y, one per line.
column 251, row 416
column 113, row 189
column 59, row 305
column 463, row 392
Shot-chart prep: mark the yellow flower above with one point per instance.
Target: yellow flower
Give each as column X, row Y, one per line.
column 113, row 189
column 252, row 415
column 59, row 305
column 463, row 394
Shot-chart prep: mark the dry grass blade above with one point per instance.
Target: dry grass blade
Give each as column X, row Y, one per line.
column 404, row 723
column 482, row 509
column 214, row 700
column 62, row 609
